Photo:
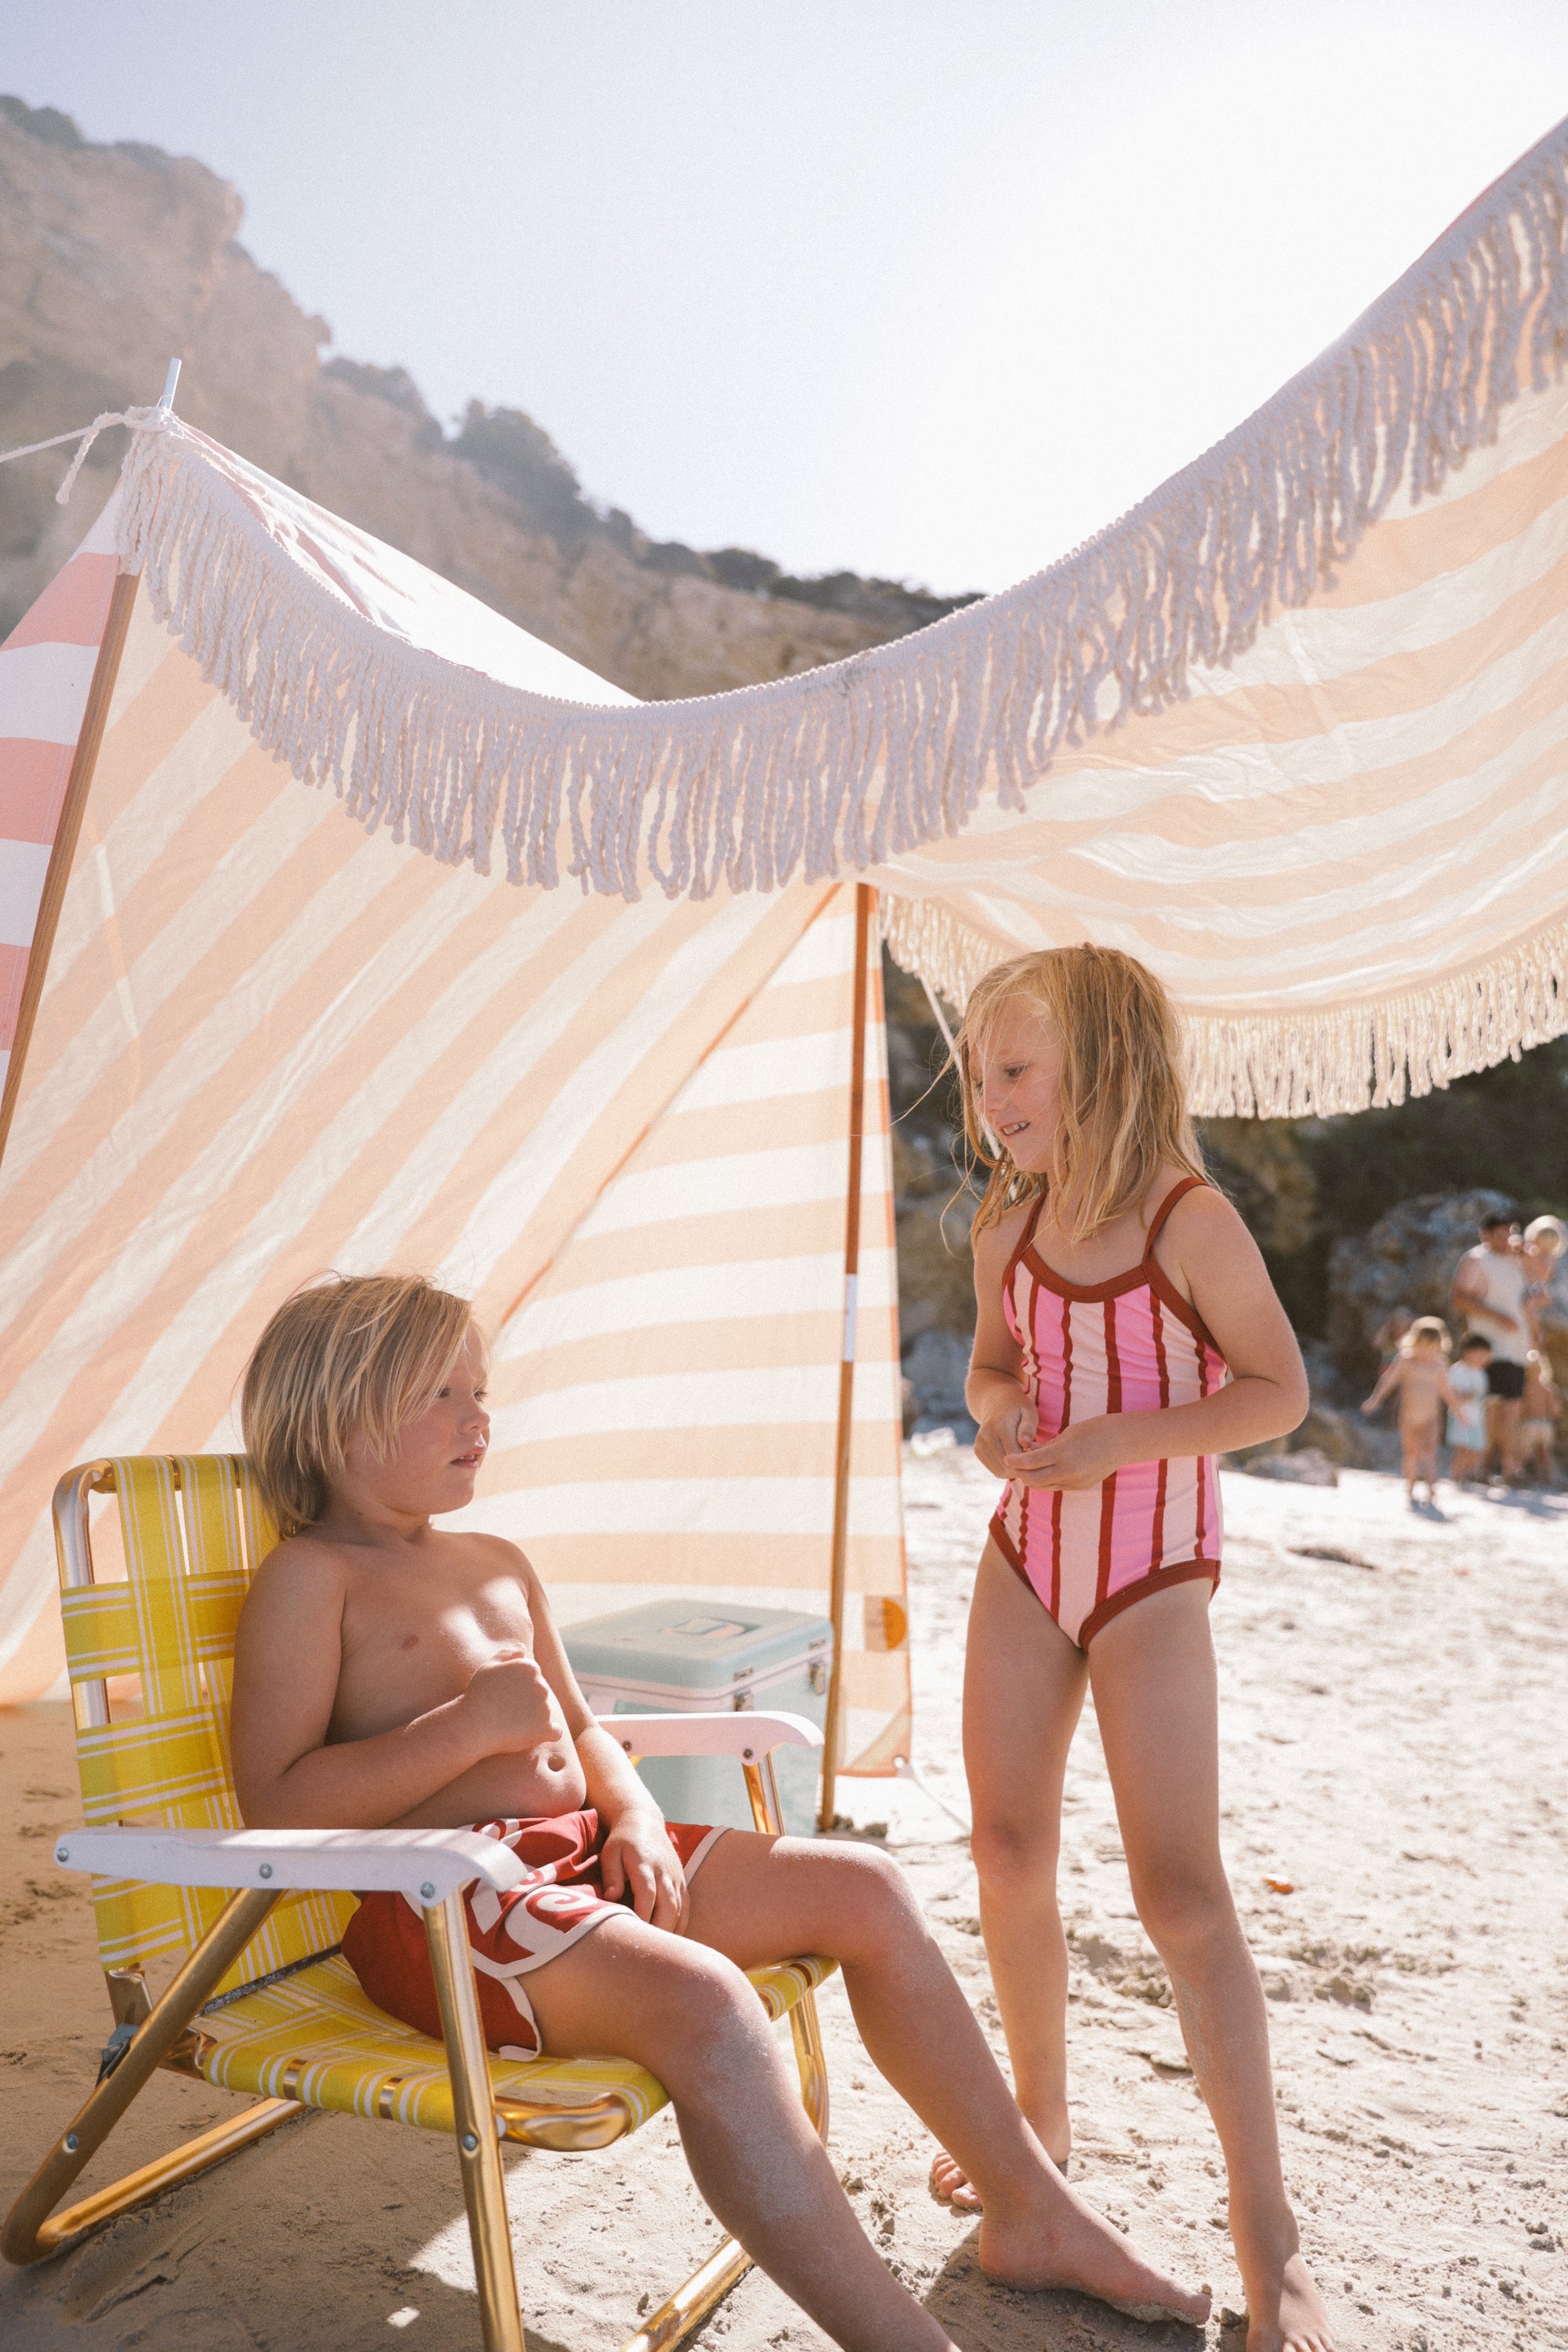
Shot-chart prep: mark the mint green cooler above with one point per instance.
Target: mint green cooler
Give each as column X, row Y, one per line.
column 682, row 1657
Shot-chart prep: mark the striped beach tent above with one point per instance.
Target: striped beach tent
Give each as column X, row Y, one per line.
column 390, row 937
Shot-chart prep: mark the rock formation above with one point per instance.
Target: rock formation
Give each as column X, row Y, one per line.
column 113, row 258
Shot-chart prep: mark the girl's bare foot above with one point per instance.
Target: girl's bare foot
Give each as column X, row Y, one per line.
column 1073, row 2246
column 951, row 2185
column 1288, row 2315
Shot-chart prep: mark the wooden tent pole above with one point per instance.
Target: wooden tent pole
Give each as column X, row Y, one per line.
column 865, row 899
column 95, row 718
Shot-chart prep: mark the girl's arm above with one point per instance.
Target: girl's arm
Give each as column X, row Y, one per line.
column 1216, row 1262
column 1389, row 1379
column 994, row 1390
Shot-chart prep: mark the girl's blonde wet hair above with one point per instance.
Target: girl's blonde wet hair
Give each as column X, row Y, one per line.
column 357, row 1354
column 1124, row 1096
column 1426, row 1326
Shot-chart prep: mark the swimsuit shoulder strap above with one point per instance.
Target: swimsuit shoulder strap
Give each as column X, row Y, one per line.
column 1025, row 1238
column 1177, row 1193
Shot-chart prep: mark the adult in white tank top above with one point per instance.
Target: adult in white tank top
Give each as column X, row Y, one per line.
column 1489, row 1284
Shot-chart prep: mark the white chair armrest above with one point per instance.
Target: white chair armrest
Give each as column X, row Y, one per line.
column 746, row 1737
column 426, row 1865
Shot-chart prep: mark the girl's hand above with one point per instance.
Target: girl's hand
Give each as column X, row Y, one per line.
column 1083, row 1454
column 1004, row 1432
column 639, row 1863
column 1369, row 1404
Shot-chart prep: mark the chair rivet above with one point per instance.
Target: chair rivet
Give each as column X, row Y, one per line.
column 469, row 2143
column 747, row 1754
column 72, row 2143
column 267, row 1870
column 62, row 1854
column 428, row 1892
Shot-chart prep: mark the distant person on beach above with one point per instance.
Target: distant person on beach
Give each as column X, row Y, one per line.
column 1467, row 1418
column 1489, row 1286
column 1420, row 1373
column 1390, row 1334
column 1539, row 1410
column 1544, row 1241
column 392, row 1675
column 1127, row 1334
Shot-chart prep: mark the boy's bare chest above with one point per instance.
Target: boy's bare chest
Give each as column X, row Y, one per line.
column 411, row 1641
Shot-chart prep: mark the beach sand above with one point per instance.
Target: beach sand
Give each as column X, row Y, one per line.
column 1392, row 1753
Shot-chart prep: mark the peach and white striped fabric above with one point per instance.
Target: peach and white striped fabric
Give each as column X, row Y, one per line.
column 46, row 670
column 270, row 1043
column 1346, row 854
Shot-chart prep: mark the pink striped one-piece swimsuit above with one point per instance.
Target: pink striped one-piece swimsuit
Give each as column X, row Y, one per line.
column 1130, row 1345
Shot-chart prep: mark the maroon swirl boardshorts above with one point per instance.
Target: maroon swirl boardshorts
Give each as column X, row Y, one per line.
column 510, row 1935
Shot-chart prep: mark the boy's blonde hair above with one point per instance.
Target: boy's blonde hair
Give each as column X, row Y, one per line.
column 1124, row 1096
column 358, row 1354
column 1426, row 1326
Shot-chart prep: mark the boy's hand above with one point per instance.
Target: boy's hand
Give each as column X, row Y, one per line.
column 511, row 1707
column 1007, row 1430
column 638, row 1861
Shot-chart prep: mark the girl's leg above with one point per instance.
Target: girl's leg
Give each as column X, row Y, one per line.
column 1153, row 1673
column 757, row 1899
column 1023, row 1687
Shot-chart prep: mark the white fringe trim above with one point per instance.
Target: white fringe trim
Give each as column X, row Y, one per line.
column 863, row 760
column 1306, row 1065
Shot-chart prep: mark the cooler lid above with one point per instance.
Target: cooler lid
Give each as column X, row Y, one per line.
column 690, row 1644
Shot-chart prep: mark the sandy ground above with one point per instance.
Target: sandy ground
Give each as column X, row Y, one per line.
column 1393, row 1749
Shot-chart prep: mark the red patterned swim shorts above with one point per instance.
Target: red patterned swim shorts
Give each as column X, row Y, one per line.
column 510, row 1935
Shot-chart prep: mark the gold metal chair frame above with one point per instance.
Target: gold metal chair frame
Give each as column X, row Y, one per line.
column 166, row 2035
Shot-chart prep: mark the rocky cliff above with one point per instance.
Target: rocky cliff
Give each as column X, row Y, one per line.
column 113, row 258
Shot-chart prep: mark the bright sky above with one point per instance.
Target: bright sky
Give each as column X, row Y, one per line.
column 932, row 289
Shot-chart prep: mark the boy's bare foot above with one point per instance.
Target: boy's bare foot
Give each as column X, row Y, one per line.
column 951, row 2185
column 1078, row 2249
column 1290, row 2316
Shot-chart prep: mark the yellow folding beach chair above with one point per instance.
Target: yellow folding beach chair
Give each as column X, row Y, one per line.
column 260, row 2000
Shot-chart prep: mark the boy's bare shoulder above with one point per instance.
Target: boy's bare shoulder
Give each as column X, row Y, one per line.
column 307, row 1563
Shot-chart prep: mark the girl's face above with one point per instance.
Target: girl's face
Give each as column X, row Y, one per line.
column 1021, row 1086
column 435, row 1460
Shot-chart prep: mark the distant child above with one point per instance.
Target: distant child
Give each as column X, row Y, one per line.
column 1389, row 1333
column 1420, row 1372
column 1539, row 1411
column 1127, row 1334
column 389, row 1675
column 1467, row 1419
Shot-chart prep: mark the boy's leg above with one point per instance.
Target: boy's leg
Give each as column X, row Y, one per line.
column 1023, row 1693
column 757, row 1899
column 1153, row 1673
column 691, row 2017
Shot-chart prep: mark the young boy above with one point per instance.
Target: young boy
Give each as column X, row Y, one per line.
column 1467, row 1419
column 1420, row 1372
column 387, row 1675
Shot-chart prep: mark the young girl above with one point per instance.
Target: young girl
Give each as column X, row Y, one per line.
column 1127, row 1333
column 388, row 1674
column 1420, row 1372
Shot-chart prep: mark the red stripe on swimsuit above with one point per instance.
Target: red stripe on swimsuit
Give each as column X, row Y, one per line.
column 1130, row 1345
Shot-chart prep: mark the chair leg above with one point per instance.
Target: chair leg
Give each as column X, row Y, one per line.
column 474, row 2119
column 29, row 2233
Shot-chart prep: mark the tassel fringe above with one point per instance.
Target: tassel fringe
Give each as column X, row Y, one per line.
column 860, row 762
column 1305, row 1065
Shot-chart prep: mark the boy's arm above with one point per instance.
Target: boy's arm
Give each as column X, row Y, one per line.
column 637, row 1857
column 1388, row 1379
column 286, row 1659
